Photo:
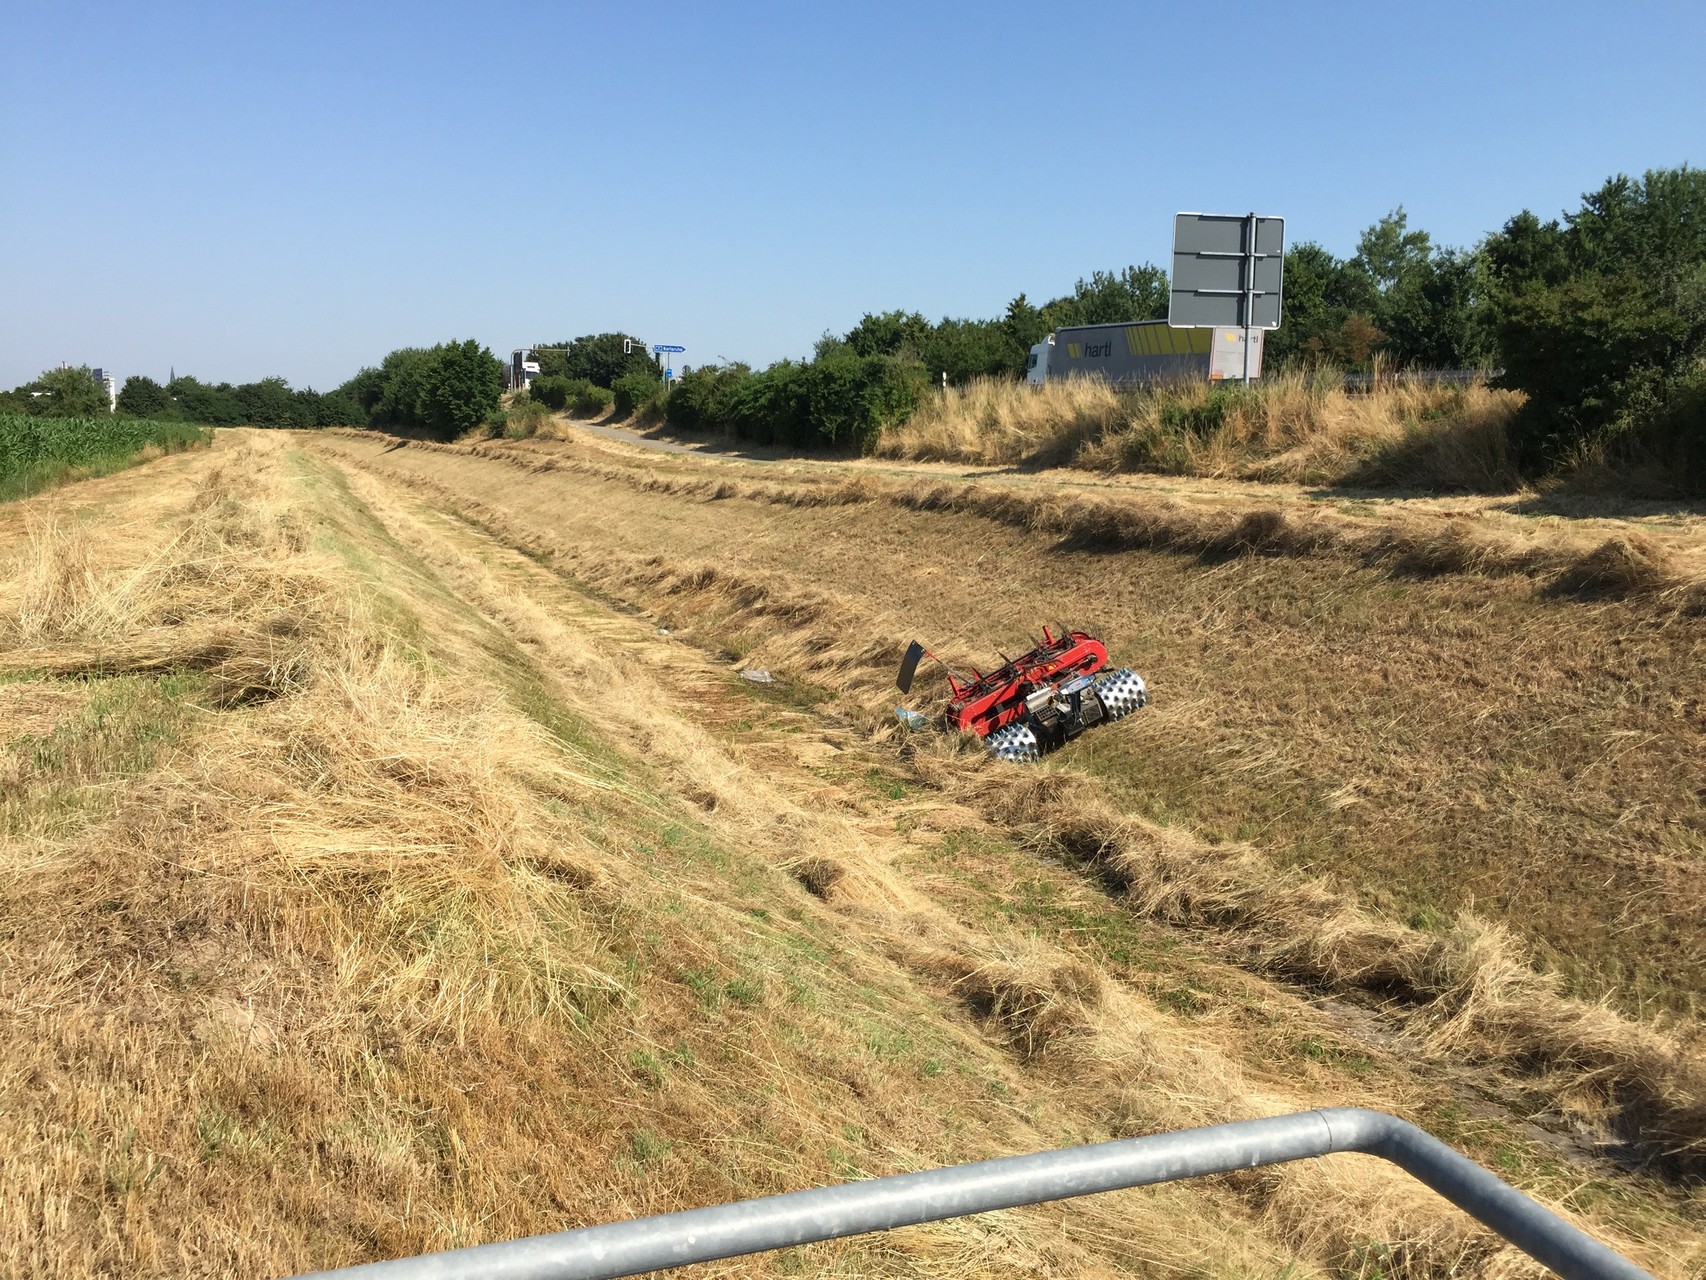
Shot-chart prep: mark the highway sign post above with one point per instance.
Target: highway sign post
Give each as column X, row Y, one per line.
column 1228, row 269
column 658, row 349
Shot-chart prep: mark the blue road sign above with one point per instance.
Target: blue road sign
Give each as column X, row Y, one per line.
column 668, row 374
column 666, row 347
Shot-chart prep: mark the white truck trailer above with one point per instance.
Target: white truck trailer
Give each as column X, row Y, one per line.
column 1143, row 352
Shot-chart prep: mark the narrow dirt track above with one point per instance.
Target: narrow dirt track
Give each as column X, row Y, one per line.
column 1435, row 743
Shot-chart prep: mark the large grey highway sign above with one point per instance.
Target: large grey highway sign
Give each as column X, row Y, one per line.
column 1228, row 269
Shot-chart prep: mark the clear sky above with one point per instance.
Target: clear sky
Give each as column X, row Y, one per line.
column 241, row 190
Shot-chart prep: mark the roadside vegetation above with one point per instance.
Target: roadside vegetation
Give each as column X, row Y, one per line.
column 441, row 391
column 1590, row 331
column 1584, row 338
column 1303, row 427
column 39, row 452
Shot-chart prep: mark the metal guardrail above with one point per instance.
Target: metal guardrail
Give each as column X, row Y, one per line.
column 801, row 1217
column 1423, row 377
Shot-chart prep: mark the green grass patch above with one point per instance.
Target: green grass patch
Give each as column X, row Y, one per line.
column 54, row 781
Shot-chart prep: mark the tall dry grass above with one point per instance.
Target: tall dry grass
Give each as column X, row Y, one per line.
column 1299, row 426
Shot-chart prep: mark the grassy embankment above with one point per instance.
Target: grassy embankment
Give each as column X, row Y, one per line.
column 38, row 453
column 346, row 914
column 1352, row 743
column 332, row 931
column 1295, row 427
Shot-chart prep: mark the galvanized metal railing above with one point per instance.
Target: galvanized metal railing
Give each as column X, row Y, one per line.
column 1366, row 382
column 801, row 1217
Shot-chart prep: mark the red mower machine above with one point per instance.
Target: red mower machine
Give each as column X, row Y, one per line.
column 1039, row 701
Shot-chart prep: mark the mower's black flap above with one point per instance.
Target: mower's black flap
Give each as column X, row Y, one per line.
column 909, row 666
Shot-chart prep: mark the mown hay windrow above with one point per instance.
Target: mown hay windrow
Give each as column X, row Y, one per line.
column 1088, row 523
column 1473, row 991
column 1616, row 568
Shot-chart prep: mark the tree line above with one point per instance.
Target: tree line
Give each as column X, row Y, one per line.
column 445, row 390
column 1598, row 315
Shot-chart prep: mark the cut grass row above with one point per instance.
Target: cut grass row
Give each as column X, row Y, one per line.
column 37, row 453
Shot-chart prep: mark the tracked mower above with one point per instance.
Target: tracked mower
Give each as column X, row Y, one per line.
column 1036, row 702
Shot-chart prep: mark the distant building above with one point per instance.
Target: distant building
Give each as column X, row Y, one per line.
column 110, row 382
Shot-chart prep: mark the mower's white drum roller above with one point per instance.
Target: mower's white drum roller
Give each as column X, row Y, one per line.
column 1122, row 692
column 1015, row 742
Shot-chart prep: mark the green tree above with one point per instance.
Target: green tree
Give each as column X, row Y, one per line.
column 1312, row 308
column 461, row 383
column 598, row 358
column 267, row 403
column 1526, row 254
column 339, row 409
column 1113, row 297
column 888, row 333
column 142, row 397
column 1437, row 316
column 365, row 390
column 966, row 349
column 207, row 404
column 1024, row 324
column 1388, row 253
column 70, row 392
column 402, row 388
column 1602, row 321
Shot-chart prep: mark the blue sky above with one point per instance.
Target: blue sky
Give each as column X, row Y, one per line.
column 245, row 190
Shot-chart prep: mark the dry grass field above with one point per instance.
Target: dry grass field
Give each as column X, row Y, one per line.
column 1299, row 426
column 394, row 859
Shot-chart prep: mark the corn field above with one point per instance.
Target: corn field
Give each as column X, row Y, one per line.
column 36, row 452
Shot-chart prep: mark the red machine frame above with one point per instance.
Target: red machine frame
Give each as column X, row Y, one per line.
column 990, row 702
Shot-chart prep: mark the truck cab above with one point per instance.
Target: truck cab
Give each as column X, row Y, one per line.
column 1036, row 366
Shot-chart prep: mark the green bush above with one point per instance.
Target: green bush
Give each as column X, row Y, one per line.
column 635, row 393
column 1587, row 352
column 64, row 393
column 589, row 401
column 841, row 400
column 772, row 407
column 699, row 400
column 851, row 399
column 1602, row 321
column 448, row 389
column 524, row 418
column 552, row 392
